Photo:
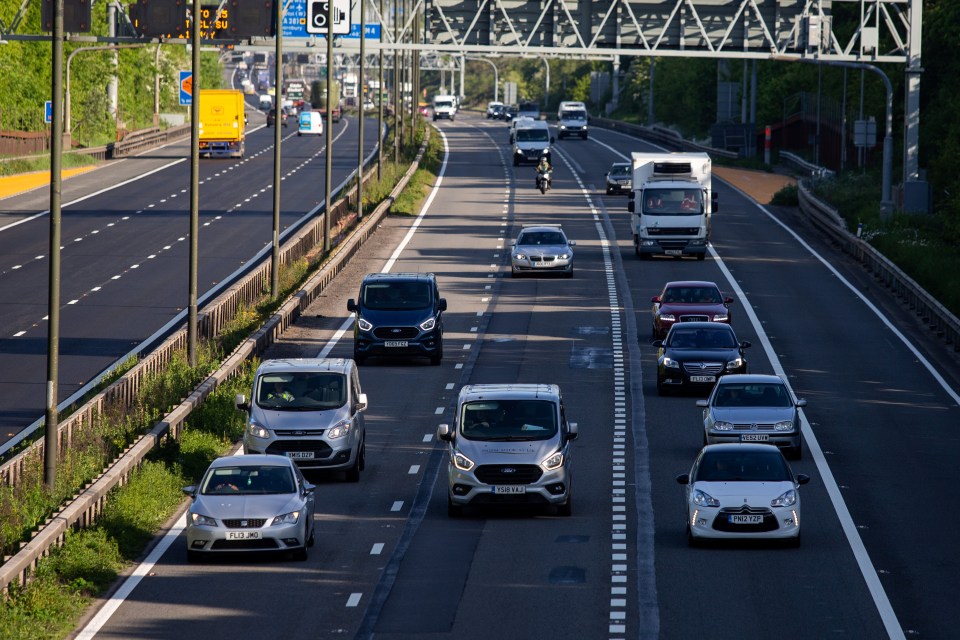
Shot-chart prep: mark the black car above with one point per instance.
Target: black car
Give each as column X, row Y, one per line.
column 695, row 354
column 509, row 112
column 272, row 117
column 398, row 314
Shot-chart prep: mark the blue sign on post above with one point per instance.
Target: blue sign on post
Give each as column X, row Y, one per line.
column 186, row 87
column 48, row 111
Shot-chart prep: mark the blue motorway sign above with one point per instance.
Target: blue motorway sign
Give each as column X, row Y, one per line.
column 294, row 24
column 186, row 87
column 48, row 111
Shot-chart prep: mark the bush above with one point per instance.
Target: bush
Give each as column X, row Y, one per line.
column 787, row 196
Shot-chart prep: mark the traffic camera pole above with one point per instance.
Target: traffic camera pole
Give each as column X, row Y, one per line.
column 51, row 449
column 278, row 117
column 360, row 99
column 194, row 183
column 328, row 174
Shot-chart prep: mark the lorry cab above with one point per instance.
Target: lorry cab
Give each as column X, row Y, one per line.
column 311, row 122
column 572, row 120
column 671, row 203
column 444, row 106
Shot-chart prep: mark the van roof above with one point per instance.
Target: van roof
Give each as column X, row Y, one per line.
column 335, row 365
column 518, row 391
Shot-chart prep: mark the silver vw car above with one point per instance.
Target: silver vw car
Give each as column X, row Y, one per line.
column 542, row 248
column 753, row 408
column 250, row 503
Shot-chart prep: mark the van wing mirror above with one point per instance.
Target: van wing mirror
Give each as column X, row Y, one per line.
column 444, row 433
column 572, row 431
column 442, row 304
column 362, row 402
column 240, row 402
column 630, row 206
column 714, row 201
column 351, row 305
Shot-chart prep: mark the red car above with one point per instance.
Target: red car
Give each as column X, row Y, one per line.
column 688, row 301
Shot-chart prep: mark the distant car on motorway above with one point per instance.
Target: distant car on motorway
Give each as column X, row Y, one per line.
column 542, row 248
column 619, row 178
column 272, row 117
column 688, row 301
column 250, row 503
column 398, row 314
column 695, row 354
column 742, row 491
column 753, row 408
column 493, row 107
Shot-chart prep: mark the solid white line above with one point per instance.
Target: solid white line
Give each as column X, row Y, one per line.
column 867, row 570
column 108, row 609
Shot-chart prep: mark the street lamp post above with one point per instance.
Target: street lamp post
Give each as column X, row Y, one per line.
column 496, row 76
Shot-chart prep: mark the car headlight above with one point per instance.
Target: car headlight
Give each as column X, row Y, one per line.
column 339, row 430
column 519, row 256
column 563, row 126
column 364, row 325
column 257, row 431
column 552, row 462
column 785, row 425
column 200, row 520
column 786, row 499
column 736, row 363
column 287, row 518
column 518, row 152
column 721, row 317
column 462, row 462
column 704, row 499
column 667, row 317
column 722, row 426
column 670, row 363
column 428, row 324
column 563, row 256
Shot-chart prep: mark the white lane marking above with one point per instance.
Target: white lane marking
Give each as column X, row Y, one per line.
column 396, row 506
column 449, row 386
column 414, row 469
column 354, row 599
column 128, row 585
column 18, row 334
column 438, row 411
column 459, row 365
column 428, row 437
column 867, row 570
column 376, row 549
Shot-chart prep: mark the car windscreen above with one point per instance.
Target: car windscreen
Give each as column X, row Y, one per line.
column 248, row 480
column 672, row 202
column 443, row 104
column 509, row 420
column 533, row 135
column 742, row 466
column 541, row 238
column 752, row 395
column 620, row 170
column 681, row 337
column 301, row 390
column 573, row 115
column 396, row 296
column 692, row 295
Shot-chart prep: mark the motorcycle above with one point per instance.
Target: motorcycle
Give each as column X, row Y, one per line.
column 544, row 180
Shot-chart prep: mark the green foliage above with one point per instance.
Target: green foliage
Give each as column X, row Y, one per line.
column 25, row 90
column 44, row 609
column 88, row 561
column 786, row 197
column 411, row 199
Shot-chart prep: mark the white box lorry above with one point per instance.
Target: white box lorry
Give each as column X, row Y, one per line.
column 572, row 120
column 671, row 204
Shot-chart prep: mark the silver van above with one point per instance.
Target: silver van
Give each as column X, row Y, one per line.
column 509, row 444
column 531, row 139
column 309, row 410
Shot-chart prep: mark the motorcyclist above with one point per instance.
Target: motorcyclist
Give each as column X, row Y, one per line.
column 543, row 170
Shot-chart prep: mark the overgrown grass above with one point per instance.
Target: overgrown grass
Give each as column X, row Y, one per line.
column 786, row 196
column 411, row 198
column 922, row 245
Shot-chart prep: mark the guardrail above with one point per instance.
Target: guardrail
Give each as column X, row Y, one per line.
column 147, row 139
column 86, row 507
column 808, row 168
column 938, row 318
